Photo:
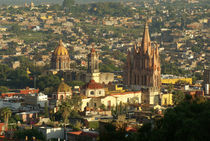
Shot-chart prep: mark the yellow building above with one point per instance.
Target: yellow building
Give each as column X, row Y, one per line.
column 174, row 80
column 166, row 99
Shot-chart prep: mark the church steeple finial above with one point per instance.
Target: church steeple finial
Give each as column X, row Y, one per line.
column 146, row 42
column 60, row 42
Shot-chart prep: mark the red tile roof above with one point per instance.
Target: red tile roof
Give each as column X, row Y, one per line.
column 81, row 133
column 93, row 85
column 130, row 129
column 75, row 133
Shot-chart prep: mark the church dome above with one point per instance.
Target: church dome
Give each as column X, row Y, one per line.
column 63, row 87
column 60, row 58
column 61, row 50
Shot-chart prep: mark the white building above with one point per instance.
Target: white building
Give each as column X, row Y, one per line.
column 52, row 132
column 36, row 99
column 111, row 100
column 95, row 97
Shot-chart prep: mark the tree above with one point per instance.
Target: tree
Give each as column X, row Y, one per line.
column 68, row 4
column 21, row 134
column 188, row 121
column 75, row 83
column 178, row 97
column 46, row 110
column 45, row 81
column 103, row 107
column 76, row 102
column 6, row 114
column 3, row 89
column 170, row 88
column 77, row 126
column 65, row 109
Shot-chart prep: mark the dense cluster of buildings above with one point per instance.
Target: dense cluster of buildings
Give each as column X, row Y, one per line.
column 143, row 87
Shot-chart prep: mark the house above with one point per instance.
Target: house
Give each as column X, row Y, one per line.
column 166, row 99
column 2, row 128
column 38, row 99
column 52, row 132
column 82, row 136
column 28, row 116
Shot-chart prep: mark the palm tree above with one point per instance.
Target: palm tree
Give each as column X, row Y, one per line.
column 6, row 114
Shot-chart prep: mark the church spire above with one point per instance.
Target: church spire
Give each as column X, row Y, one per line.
column 146, row 42
column 93, row 49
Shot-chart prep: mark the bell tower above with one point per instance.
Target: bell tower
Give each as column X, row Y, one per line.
column 93, row 66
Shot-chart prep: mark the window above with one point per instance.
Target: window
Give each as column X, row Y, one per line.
column 165, row 101
column 92, row 92
column 61, row 97
column 99, row 92
column 127, row 99
column 94, row 104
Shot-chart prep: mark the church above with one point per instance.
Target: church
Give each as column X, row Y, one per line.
column 142, row 69
column 60, row 63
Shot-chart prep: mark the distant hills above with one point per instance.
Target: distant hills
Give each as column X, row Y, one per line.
column 38, row 2
column 21, row 2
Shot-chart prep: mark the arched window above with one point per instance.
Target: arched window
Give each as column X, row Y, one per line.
column 61, row 97
column 99, row 92
column 92, row 92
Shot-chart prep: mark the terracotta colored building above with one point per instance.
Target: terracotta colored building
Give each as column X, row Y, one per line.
column 19, row 92
column 142, row 69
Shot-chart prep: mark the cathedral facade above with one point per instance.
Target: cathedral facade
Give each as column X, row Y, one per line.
column 142, row 69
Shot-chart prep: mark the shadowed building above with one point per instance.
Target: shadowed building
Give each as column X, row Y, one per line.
column 93, row 72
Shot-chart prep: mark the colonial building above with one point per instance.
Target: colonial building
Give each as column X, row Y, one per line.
column 63, row 92
column 111, row 100
column 93, row 89
column 93, row 72
column 60, row 58
column 95, row 96
column 142, row 69
column 37, row 99
column 60, row 63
